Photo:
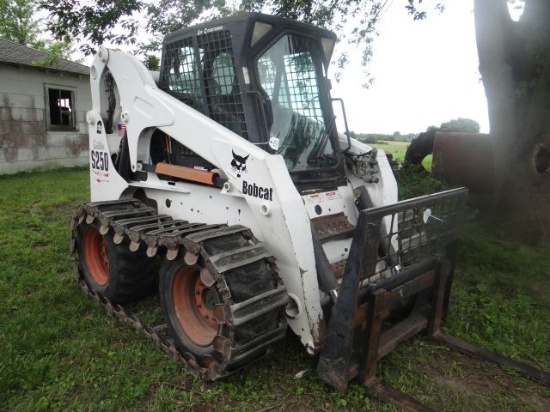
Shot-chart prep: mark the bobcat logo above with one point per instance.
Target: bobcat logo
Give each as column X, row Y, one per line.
column 238, row 164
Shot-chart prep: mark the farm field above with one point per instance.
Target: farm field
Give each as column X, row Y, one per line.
column 399, row 149
column 62, row 352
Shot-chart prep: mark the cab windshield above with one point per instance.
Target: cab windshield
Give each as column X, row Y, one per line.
column 289, row 75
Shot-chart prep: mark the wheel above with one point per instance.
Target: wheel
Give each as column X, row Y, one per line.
column 189, row 307
column 188, row 304
column 110, row 269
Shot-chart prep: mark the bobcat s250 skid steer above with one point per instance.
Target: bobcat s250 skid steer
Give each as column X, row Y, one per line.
column 224, row 184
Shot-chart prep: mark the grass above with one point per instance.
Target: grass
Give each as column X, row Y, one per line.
column 61, row 352
column 399, row 149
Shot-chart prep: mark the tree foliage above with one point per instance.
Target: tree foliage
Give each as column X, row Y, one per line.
column 93, row 23
column 19, row 25
column 380, row 137
column 460, row 125
column 152, row 62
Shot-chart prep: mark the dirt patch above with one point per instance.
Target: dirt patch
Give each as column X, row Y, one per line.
column 62, row 209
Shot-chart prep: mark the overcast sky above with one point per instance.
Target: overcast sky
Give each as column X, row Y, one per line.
column 426, row 73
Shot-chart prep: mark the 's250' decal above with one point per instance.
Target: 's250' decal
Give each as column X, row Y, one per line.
column 100, row 160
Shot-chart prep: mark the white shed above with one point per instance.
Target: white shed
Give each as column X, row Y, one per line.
column 42, row 110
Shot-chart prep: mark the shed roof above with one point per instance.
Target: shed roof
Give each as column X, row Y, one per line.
column 19, row 55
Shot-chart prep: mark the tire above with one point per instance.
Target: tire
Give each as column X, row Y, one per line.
column 188, row 304
column 113, row 270
column 188, row 308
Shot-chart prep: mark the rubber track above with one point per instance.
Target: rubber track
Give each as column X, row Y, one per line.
column 132, row 219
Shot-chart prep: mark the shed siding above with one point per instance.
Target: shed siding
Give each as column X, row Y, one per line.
column 25, row 142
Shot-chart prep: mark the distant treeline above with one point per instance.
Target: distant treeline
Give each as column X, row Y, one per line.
column 378, row 137
column 461, row 124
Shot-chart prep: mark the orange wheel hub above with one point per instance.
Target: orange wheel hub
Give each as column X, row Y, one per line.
column 194, row 306
column 95, row 254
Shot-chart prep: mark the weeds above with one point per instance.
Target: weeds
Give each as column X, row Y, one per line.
column 414, row 183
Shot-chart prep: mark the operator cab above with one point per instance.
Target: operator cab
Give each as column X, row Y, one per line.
column 264, row 78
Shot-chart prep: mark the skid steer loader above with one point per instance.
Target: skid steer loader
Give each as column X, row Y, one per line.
column 227, row 168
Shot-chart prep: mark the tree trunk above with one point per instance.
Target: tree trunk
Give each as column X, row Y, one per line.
column 514, row 62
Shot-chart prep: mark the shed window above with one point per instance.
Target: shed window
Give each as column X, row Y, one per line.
column 61, row 114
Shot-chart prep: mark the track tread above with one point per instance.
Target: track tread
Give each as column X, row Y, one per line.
column 241, row 256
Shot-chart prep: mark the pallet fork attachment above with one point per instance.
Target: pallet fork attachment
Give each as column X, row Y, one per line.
column 406, row 270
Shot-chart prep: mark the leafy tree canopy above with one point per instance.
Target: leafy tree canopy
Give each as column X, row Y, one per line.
column 121, row 22
column 460, row 125
column 94, row 23
column 19, row 25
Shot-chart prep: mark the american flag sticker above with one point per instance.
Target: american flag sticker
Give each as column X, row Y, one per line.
column 121, row 129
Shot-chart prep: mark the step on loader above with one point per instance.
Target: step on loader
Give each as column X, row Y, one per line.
column 222, row 184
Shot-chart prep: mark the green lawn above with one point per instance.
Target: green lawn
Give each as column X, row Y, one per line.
column 398, row 150
column 61, row 352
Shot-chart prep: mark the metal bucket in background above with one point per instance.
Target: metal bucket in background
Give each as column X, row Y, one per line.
column 464, row 159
